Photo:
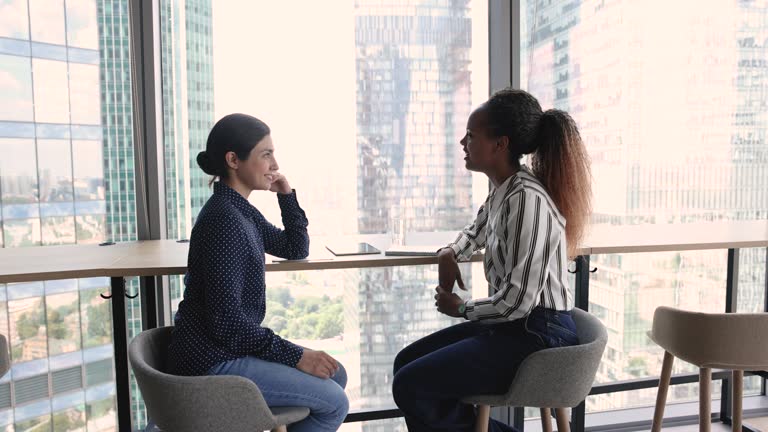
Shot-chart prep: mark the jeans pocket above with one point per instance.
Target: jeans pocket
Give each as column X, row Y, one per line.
column 563, row 335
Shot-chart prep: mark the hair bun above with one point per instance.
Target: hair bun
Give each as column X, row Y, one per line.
column 205, row 163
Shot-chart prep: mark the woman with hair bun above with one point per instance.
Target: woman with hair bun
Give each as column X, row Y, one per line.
column 218, row 327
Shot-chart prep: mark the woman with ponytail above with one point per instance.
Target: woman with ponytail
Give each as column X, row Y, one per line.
column 218, row 327
column 530, row 224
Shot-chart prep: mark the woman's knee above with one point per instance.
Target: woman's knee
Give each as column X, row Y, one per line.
column 340, row 403
column 340, row 376
column 403, row 384
column 401, row 359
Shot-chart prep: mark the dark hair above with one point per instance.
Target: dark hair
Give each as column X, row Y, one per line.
column 237, row 133
column 558, row 156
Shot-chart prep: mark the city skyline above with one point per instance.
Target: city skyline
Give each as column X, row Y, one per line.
column 611, row 64
column 366, row 117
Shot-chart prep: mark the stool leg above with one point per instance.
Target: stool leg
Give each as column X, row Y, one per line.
column 661, row 396
column 738, row 386
column 705, row 399
column 561, row 415
column 282, row 428
column 483, row 417
column 546, row 420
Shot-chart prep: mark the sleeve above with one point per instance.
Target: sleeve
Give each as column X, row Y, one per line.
column 224, row 261
column 293, row 241
column 472, row 237
column 524, row 255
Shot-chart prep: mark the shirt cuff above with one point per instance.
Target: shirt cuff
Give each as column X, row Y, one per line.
column 288, row 201
column 291, row 354
column 469, row 310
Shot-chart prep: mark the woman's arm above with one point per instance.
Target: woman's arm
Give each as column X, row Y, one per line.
column 524, row 255
column 293, row 241
column 472, row 238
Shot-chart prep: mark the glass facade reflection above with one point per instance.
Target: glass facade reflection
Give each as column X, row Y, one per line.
column 670, row 100
column 66, row 176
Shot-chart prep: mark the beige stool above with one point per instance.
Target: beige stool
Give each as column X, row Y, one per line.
column 552, row 378
column 732, row 341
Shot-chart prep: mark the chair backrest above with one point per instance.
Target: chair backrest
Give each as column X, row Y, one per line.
column 181, row 403
column 713, row 340
column 557, row 377
column 5, row 358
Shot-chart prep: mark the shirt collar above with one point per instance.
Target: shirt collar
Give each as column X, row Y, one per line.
column 221, row 189
column 524, row 170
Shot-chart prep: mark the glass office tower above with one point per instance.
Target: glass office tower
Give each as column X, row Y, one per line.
column 67, row 176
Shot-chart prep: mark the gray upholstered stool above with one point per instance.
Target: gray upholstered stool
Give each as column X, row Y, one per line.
column 734, row 341
column 204, row 403
column 5, row 358
column 557, row 378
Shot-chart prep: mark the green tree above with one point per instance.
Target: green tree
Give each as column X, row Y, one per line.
column 57, row 328
column 329, row 325
column 99, row 321
column 280, row 295
column 277, row 324
column 29, row 323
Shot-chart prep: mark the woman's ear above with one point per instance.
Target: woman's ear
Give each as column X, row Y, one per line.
column 502, row 143
column 232, row 160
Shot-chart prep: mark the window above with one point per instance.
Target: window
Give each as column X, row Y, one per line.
column 16, row 87
column 366, row 117
column 57, row 174
column 660, row 96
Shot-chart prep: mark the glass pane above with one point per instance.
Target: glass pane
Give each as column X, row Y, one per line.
column 673, row 138
column 14, row 19
column 374, row 143
column 388, row 425
column 47, row 21
column 16, row 87
column 54, row 164
column 63, row 323
column 628, row 288
column 21, row 232
column 19, row 178
column 67, row 149
column 72, row 419
column 89, row 190
column 51, row 91
column 82, row 30
column 42, row 423
column 753, row 269
column 101, row 414
column 647, row 397
column 28, row 329
column 96, row 318
column 56, row 209
column 84, row 90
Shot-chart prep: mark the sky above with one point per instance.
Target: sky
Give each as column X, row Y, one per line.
column 294, row 68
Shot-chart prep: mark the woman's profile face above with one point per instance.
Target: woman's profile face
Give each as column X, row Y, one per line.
column 257, row 172
column 480, row 150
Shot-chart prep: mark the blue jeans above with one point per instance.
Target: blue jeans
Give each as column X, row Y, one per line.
column 282, row 385
column 433, row 374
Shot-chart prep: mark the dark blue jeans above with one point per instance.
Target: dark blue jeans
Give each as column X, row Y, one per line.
column 433, row 374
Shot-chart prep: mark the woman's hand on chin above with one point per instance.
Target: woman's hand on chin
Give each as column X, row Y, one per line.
column 280, row 184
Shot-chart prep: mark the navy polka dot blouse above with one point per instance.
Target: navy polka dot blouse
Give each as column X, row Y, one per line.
column 224, row 300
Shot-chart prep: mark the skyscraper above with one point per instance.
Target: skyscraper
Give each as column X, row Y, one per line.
column 67, row 176
column 413, row 100
column 671, row 107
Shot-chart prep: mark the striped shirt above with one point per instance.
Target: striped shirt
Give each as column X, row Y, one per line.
column 523, row 234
